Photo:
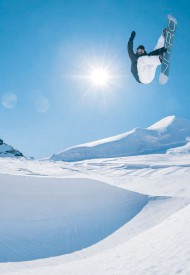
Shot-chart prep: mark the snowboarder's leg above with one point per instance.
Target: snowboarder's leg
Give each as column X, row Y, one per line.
column 159, row 49
column 160, row 43
column 146, row 60
column 146, row 66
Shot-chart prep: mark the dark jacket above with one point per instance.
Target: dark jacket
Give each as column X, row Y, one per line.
column 134, row 57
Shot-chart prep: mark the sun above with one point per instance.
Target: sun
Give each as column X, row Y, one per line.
column 100, row 77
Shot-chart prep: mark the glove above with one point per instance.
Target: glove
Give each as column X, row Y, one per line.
column 133, row 35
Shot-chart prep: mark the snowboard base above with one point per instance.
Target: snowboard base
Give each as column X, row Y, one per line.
column 170, row 33
column 163, row 79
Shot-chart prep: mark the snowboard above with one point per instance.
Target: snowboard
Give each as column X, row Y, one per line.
column 169, row 38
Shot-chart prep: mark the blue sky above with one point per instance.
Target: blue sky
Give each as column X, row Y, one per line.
column 45, row 48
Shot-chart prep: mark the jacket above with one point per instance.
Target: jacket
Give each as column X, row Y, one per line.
column 134, row 57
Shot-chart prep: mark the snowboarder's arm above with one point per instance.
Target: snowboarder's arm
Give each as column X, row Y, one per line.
column 130, row 45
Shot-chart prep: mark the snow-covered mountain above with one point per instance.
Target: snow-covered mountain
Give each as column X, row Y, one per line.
column 8, row 151
column 167, row 133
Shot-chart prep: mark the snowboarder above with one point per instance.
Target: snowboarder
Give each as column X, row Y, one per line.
column 143, row 65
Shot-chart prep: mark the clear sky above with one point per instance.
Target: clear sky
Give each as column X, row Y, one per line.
column 47, row 48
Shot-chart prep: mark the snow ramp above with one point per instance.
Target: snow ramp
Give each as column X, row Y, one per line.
column 44, row 217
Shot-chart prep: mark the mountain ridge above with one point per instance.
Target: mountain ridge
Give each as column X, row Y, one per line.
column 167, row 133
column 8, row 151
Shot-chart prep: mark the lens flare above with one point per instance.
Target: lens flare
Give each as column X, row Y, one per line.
column 99, row 77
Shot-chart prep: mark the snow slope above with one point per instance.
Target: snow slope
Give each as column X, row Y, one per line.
column 48, row 217
column 146, row 233
column 180, row 150
column 168, row 133
column 8, row 151
column 163, row 249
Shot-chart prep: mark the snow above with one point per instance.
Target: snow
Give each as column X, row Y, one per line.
column 168, row 133
column 126, row 215
column 119, row 215
column 49, row 217
column 161, row 244
column 8, row 151
column 163, row 123
column 180, row 150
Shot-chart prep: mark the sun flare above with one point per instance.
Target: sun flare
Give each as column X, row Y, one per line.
column 100, row 77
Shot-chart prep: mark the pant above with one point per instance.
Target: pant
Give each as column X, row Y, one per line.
column 147, row 65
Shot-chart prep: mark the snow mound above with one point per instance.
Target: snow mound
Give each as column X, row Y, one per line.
column 45, row 217
column 168, row 133
column 180, row 150
column 8, row 151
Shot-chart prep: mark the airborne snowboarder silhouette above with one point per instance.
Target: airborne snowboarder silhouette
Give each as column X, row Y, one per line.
column 143, row 65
